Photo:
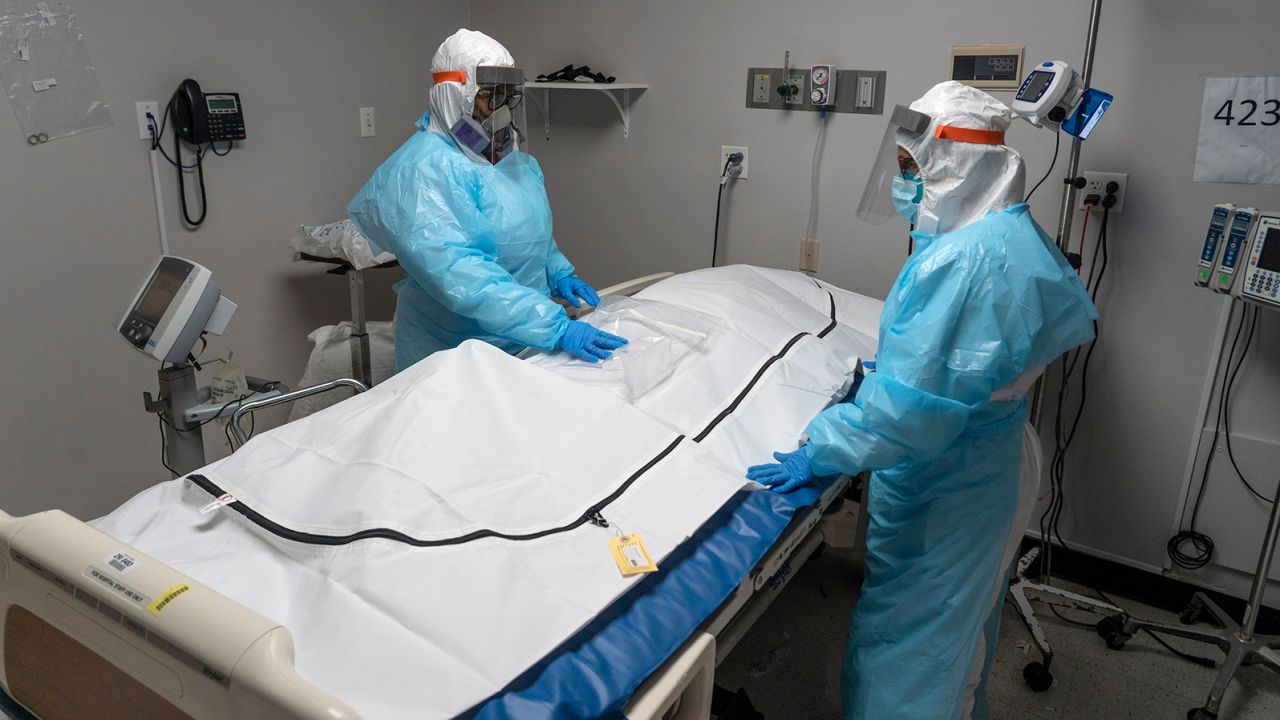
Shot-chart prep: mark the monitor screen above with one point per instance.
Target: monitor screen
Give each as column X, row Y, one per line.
column 164, row 286
column 1038, row 81
column 1269, row 259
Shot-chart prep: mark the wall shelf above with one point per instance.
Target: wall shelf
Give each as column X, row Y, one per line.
column 619, row 93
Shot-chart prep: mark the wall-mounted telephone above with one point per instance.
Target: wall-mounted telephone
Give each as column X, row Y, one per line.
column 200, row 118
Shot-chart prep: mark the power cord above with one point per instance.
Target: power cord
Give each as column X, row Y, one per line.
column 734, row 160
column 1057, row 143
column 1202, row 546
column 1051, row 517
column 164, row 448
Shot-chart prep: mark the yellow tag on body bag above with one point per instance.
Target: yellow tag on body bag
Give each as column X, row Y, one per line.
column 631, row 555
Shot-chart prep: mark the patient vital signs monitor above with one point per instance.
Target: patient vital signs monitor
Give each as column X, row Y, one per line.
column 177, row 301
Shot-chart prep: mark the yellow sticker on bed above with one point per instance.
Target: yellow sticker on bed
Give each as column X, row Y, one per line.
column 168, row 596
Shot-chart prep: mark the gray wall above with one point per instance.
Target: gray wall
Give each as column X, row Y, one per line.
column 79, row 230
column 647, row 203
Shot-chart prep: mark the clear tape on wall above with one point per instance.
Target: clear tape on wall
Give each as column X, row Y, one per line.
column 46, row 71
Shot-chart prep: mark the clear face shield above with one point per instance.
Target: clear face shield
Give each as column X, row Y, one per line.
column 495, row 129
column 877, row 206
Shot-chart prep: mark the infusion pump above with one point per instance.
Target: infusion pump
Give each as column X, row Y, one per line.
column 1260, row 265
column 1241, row 254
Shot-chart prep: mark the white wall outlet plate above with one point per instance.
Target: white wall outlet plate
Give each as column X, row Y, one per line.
column 725, row 152
column 144, row 107
column 1095, row 183
column 367, row 129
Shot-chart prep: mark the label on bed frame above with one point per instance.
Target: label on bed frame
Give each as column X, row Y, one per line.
column 122, row 562
column 167, row 597
column 117, row 587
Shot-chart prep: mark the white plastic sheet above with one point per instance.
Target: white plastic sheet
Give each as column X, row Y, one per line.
column 46, row 71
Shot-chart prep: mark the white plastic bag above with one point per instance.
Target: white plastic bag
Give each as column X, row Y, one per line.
column 331, row 359
column 341, row 240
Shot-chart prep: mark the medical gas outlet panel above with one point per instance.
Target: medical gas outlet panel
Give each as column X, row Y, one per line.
column 1260, row 270
column 813, row 89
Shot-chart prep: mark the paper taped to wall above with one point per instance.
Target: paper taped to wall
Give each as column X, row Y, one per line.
column 1239, row 130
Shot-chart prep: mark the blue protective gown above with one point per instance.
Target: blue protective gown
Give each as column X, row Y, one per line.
column 475, row 242
column 972, row 310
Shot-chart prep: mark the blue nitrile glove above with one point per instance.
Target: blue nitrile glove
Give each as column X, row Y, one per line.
column 587, row 343
column 571, row 288
column 793, row 470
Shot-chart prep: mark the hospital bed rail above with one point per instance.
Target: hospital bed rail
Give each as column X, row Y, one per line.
column 242, row 437
column 95, row 628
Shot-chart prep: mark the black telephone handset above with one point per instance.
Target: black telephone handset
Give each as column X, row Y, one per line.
column 199, row 118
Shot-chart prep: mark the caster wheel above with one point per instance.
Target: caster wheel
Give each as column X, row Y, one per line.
column 1191, row 613
column 1111, row 629
column 1037, row 676
column 1201, row 714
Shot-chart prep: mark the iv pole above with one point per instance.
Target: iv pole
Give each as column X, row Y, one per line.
column 1237, row 641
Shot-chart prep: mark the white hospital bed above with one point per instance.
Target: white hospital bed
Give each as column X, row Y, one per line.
column 81, row 642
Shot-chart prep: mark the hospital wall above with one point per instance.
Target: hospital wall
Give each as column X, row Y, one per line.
column 78, row 222
column 646, row 203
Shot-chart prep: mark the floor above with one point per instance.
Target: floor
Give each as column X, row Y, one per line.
column 790, row 663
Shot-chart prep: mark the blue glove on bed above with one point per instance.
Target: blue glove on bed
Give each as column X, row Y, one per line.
column 793, row 470
column 585, row 342
column 571, row 288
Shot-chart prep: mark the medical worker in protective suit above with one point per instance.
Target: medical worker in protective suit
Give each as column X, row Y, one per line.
column 465, row 211
column 979, row 309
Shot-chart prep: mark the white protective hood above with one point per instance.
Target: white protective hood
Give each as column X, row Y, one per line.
column 963, row 181
column 463, row 50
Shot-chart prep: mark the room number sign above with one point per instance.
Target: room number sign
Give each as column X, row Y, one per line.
column 1239, row 130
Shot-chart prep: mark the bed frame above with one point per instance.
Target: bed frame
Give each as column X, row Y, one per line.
column 90, row 627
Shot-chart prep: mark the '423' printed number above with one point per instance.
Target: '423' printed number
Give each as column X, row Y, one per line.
column 1270, row 112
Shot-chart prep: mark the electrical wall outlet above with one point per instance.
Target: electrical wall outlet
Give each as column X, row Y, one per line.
column 144, row 107
column 809, row 255
column 725, row 152
column 1096, row 183
column 367, row 129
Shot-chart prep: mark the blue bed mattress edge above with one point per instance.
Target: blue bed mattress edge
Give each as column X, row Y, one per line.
column 594, row 673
